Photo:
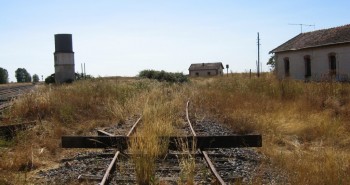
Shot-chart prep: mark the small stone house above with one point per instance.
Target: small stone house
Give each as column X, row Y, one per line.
column 318, row 55
column 206, row 69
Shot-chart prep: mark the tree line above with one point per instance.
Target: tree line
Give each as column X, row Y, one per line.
column 21, row 74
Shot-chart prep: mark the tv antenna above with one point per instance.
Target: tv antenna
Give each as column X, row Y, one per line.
column 301, row 26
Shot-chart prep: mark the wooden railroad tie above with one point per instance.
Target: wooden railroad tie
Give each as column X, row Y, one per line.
column 9, row 131
column 200, row 142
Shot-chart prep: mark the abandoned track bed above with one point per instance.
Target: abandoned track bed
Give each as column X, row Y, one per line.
column 231, row 164
column 87, row 167
column 8, row 93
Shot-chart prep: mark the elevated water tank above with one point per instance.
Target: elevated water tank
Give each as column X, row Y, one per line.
column 64, row 58
column 63, row 43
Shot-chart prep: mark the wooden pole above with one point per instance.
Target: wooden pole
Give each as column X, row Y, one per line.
column 258, row 56
column 82, row 70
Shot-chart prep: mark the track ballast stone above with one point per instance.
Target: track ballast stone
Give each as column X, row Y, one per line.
column 243, row 164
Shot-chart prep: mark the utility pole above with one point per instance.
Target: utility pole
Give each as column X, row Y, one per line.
column 84, row 71
column 258, row 63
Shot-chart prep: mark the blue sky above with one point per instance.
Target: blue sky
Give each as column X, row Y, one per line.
column 115, row 37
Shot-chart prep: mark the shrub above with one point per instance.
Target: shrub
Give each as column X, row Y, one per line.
column 163, row 76
column 50, row 79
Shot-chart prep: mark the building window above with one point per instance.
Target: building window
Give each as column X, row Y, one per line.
column 307, row 61
column 197, row 74
column 208, row 73
column 332, row 64
column 286, row 67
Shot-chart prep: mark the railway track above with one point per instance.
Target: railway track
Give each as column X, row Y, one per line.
column 208, row 165
column 8, row 93
column 205, row 154
column 112, row 166
column 95, row 167
column 221, row 162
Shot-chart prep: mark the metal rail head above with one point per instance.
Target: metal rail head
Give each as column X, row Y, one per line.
column 206, row 157
column 111, row 166
column 132, row 130
column 188, row 119
column 212, row 168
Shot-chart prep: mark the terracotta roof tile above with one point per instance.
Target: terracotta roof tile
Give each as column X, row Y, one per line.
column 317, row 38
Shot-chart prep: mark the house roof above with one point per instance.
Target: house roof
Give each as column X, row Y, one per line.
column 319, row 38
column 206, row 66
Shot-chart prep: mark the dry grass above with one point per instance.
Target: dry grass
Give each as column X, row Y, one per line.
column 65, row 110
column 160, row 116
column 305, row 126
column 187, row 162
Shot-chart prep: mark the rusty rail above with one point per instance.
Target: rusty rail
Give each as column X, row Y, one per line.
column 201, row 143
column 111, row 166
column 206, row 157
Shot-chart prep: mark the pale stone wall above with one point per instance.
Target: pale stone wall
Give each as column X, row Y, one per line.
column 213, row 72
column 320, row 65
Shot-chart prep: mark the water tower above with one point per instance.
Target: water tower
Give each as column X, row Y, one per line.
column 64, row 58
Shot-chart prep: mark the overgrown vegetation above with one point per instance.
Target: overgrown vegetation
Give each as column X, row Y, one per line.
column 305, row 126
column 187, row 163
column 78, row 76
column 163, row 76
column 161, row 114
column 50, row 79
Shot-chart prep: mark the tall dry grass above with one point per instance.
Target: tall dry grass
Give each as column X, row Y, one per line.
column 91, row 99
column 160, row 116
column 187, row 163
column 75, row 109
column 305, row 126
